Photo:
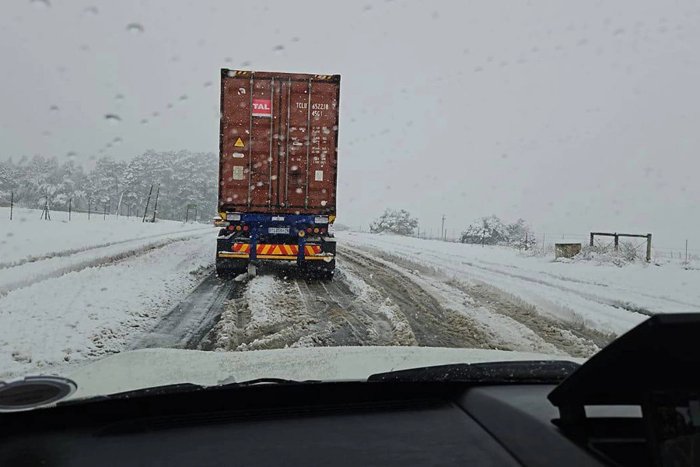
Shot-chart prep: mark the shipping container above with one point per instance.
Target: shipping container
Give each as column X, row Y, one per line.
column 278, row 142
column 278, row 160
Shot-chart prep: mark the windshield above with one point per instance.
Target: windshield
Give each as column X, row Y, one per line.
column 509, row 182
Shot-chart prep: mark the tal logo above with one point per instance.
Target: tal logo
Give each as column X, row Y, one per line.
column 262, row 108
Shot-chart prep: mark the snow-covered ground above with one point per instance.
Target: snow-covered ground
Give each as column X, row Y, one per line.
column 80, row 289
column 606, row 298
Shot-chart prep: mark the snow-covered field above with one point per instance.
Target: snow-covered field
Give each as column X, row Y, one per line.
column 79, row 289
column 606, row 298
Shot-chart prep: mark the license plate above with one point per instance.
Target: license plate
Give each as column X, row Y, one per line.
column 278, row 230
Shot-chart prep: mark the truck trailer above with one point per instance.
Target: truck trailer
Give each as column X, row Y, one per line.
column 278, row 154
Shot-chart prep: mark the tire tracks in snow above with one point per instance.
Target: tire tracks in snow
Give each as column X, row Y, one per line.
column 74, row 251
column 93, row 262
column 190, row 321
column 432, row 324
column 569, row 338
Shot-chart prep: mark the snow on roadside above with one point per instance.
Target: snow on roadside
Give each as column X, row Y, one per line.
column 92, row 312
column 609, row 299
column 27, row 238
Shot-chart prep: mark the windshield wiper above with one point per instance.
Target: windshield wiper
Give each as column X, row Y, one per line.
column 521, row 372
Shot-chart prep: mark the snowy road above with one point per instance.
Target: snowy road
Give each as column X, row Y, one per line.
column 158, row 289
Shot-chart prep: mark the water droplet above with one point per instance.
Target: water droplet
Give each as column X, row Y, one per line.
column 40, row 3
column 92, row 10
column 278, row 48
column 247, row 63
column 135, row 28
column 155, row 114
column 207, row 84
column 53, row 108
column 119, row 97
column 228, row 60
column 295, row 39
column 85, row 47
column 144, row 121
column 170, row 105
column 113, row 118
column 117, row 140
column 367, row 8
column 71, row 154
column 183, row 97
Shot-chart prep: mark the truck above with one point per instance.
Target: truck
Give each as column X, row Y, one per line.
column 278, row 155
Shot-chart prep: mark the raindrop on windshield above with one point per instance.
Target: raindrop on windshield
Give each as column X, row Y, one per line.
column 91, row 10
column 155, row 114
column 228, row 60
column 40, row 3
column 117, row 140
column 144, row 121
column 246, row 63
column 367, row 8
column 278, row 48
column 170, row 105
column 119, row 96
column 113, row 118
column 295, row 39
column 53, row 108
column 183, row 97
column 207, row 84
column 135, row 28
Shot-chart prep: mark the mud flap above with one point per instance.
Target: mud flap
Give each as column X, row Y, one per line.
column 226, row 267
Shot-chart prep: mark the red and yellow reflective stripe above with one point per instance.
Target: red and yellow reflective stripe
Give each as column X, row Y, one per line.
column 277, row 249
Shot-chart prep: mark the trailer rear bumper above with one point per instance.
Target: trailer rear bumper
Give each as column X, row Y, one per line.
column 327, row 257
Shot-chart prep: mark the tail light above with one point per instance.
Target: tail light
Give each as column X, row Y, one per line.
column 316, row 230
column 323, row 230
column 308, row 230
column 245, row 228
column 230, row 227
column 238, row 228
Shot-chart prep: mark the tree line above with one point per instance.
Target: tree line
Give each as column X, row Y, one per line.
column 184, row 178
column 490, row 230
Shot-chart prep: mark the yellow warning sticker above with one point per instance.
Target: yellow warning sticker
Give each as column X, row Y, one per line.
column 239, row 143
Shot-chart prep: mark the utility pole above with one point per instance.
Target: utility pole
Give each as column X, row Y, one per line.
column 148, row 201
column 442, row 229
column 89, row 207
column 686, row 250
column 155, row 204
column 12, row 202
column 70, row 203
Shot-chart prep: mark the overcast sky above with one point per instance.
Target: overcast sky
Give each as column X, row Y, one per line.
column 572, row 115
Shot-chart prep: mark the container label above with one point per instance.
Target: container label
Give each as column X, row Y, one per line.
column 318, row 176
column 262, row 108
column 238, row 155
column 238, row 172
